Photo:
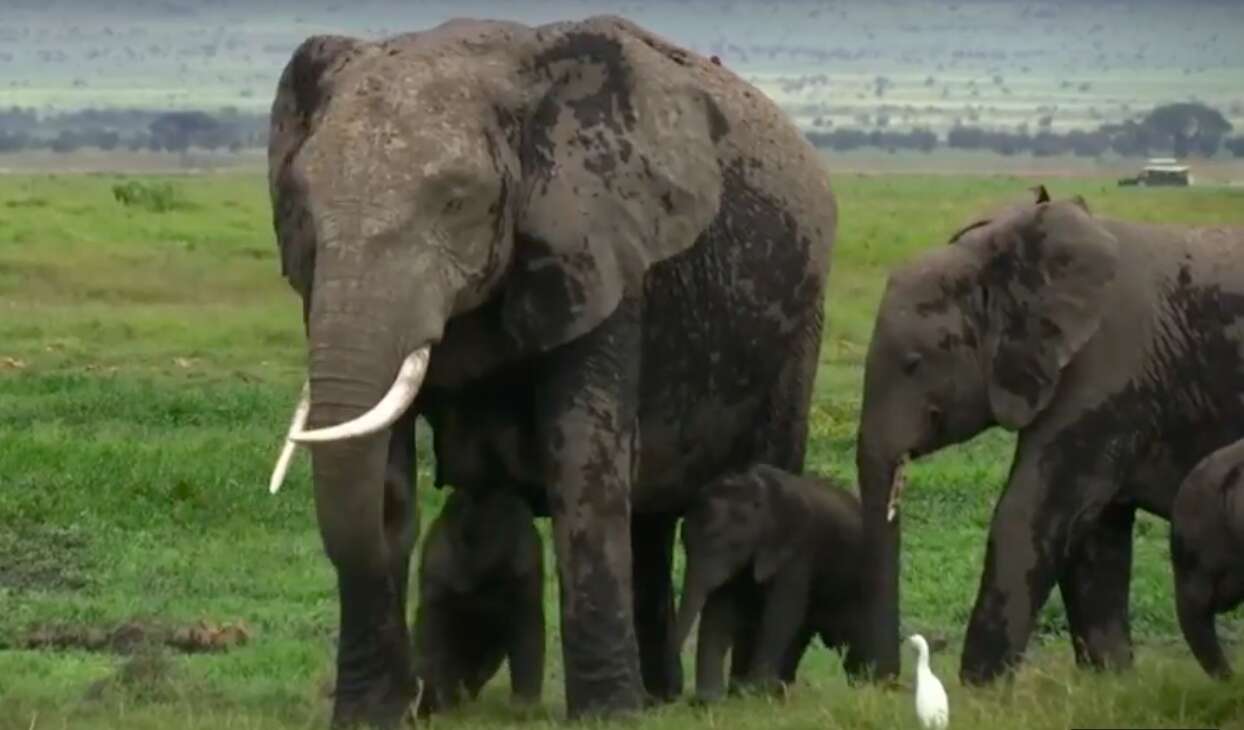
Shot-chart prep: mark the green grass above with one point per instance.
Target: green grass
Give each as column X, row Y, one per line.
column 148, row 362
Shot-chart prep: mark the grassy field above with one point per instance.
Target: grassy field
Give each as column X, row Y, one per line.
column 148, row 363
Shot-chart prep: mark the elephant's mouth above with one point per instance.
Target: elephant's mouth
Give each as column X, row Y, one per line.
column 897, row 483
column 382, row 415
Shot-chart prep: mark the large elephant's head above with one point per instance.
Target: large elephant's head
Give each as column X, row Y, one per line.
column 538, row 172
column 969, row 335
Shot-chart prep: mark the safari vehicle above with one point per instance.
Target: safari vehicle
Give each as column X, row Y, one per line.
column 1161, row 171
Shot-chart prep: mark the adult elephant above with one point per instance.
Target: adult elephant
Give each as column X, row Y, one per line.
column 613, row 249
column 1114, row 350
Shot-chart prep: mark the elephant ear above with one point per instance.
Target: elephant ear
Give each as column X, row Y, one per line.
column 620, row 172
column 301, row 92
column 787, row 529
column 1044, row 277
column 1039, row 193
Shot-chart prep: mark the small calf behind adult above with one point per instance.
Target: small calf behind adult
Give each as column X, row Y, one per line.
column 481, row 599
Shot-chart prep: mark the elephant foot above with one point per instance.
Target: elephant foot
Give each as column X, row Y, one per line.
column 382, row 709
column 1111, row 653
column 664, row 689
column 607, row 704
column 375, row 692
column 704, row 698
column 983, row 674
column 758, row 687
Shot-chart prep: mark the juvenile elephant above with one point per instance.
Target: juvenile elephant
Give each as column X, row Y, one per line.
column 1114, row 349
column 621, row 244
column 773, row 559
column 1207, row 542
column 481, row 598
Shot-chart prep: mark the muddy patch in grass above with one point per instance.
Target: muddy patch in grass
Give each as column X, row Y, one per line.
column 138, row 637
column 35, row 558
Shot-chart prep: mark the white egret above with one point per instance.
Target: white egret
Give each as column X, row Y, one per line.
column 932, row 705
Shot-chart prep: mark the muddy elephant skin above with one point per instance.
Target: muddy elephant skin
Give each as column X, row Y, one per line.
column 1115, row 350
column 618, row 245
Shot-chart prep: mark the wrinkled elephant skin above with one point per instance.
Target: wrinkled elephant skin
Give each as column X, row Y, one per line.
column 1115, row 350
column 625, row 243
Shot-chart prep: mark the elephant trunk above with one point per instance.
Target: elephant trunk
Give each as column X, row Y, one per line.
column 695, row 592
column 880, row 476
column 353, row 364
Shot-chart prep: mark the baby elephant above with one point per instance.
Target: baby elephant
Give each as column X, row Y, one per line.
column 1207, row 540
column 481, row 591
column 772, row 560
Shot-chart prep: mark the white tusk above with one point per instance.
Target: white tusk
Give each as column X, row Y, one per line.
column 383, row 414
column 896, row 489
column 287, row 450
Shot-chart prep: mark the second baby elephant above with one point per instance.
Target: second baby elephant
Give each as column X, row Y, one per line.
column 1207, row 538
column 481, row 591
column 772, row 560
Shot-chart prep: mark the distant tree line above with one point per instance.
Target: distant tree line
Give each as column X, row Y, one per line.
column 132, row 129
column 1181, row 130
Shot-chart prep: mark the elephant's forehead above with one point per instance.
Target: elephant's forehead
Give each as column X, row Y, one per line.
column 927, row 287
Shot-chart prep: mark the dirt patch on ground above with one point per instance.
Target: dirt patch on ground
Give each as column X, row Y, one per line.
column 43, row 558
column 137, row 637
column 148, row 675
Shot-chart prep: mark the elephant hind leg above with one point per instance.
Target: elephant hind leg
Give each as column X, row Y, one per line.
column 1095, row 589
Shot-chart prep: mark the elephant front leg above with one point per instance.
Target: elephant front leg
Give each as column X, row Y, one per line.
column 1095, row 588
column 437, row 655
column 591, row 529
column 1027, row 551
column 586, row 423
column 748, row 607
column 652, row 543
column 794, row 655
column 785, row 609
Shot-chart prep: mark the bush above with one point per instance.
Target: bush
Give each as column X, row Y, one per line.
column 154, row 197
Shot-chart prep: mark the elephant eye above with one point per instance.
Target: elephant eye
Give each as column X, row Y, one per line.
column 911, row 361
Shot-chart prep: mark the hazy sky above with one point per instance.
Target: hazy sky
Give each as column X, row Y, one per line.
column 65, row 53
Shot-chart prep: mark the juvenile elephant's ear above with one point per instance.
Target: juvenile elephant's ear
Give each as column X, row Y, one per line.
column 620, row 172
column 1045, row 274
column 787, row 530
column 301, row 92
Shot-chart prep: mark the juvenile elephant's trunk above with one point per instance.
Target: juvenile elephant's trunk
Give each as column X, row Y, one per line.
column 879, row 475
column 694, row 596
